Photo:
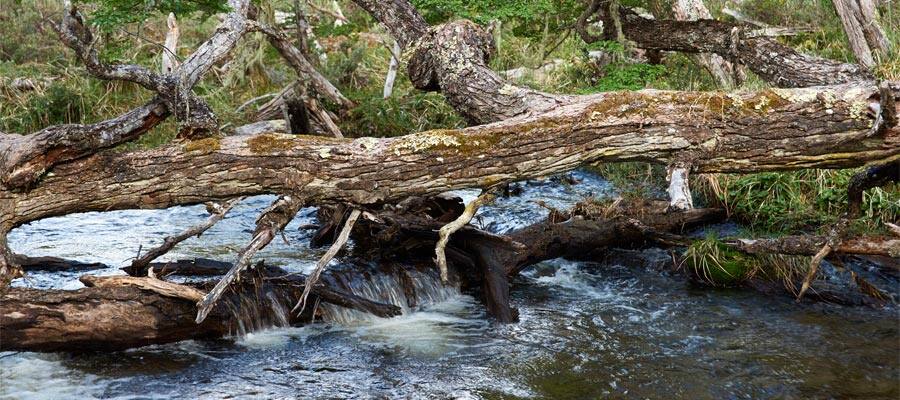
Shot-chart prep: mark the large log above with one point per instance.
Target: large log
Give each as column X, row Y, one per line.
column 98, row 319
column 776, row 63
column 775, row 129
column 453, row 58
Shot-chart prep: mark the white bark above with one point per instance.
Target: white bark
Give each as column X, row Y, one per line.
column 679, row 192
column 866, row 37
column 722, row 70
column 392, row 70
column 169, row 54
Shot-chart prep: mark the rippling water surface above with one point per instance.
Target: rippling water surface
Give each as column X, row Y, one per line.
column 611, row 328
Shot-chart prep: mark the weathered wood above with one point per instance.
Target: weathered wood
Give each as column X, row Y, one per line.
column 53, row 264
column 332, row 251
column 773, row 129
column 169, row 57
column 23, row 159
column 875, row 176
column 808, row 245
column 146, row 283
column 391, row 75
column 120, row 315
column 722, row 71
column 98, row 319
column 860, row 20
column 191, row 267
column 776, row 63
column 304, row 68
column 453, row 58
column 463, row 219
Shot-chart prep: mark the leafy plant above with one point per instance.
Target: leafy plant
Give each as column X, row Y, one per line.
column 112, row 13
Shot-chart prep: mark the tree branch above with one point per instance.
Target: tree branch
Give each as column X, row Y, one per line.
column 139, row 266
column 272, row 221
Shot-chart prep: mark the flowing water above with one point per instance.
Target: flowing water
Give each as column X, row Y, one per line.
column 613, row 328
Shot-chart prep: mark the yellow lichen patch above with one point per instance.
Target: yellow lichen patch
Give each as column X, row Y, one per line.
column 367, row 143
column 426, row 140
column 204, row 146
column 858, row 110
column 271, row 142
column 798, row 95
column 619, row 105
column 764, row 101
column 444, row 140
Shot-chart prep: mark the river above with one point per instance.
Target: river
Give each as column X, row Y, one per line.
column 616, row 328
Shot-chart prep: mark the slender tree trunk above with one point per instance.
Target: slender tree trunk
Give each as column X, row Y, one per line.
column 860, row 20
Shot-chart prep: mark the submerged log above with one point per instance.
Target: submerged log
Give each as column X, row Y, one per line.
column 53, row 264
column 486, row 261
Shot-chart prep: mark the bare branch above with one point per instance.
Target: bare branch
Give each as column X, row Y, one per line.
column 73, row 32
column 303, row 67
column 152, row 284
column 139, row 266
column 326, row 258
column 169, row 60
column 444, row 233
column 272, row 221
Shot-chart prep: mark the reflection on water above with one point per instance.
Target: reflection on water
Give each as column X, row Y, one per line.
column 587, row 330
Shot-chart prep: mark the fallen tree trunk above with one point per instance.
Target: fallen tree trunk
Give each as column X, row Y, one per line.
column 98, row 319
column 809, row 245
column 774, row 62
column 836, row 127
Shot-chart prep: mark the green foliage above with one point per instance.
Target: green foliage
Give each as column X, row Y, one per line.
column 785, row 202
column 627, row 77
column 716, row 263
column 110, row 14
column 529, row 15
column 400, row 114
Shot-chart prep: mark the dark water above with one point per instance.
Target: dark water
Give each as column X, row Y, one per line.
column 613, row 328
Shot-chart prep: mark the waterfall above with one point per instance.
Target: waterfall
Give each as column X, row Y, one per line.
column 392, row 287
column 257, row 310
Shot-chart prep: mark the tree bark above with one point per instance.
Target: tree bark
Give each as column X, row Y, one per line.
column 775, row 63
column 98, row 319
column 866, row 37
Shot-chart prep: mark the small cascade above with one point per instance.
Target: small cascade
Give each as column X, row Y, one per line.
column 257, row 310
column 406, row 287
